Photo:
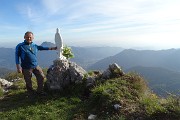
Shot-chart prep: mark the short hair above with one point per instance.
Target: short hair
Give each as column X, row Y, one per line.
column 28, row 32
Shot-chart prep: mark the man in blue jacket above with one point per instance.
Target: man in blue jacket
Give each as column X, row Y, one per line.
column 26, row 52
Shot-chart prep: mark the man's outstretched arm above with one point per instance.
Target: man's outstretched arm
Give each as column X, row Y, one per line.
column 53, row 48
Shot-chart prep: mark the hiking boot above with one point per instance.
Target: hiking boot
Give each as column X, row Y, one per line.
column 31, row 92
column 42, row 93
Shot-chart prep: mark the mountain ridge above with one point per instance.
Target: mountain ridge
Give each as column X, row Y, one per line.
column 128, row 58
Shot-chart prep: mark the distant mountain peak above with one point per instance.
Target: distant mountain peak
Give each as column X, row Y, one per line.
column 48, row 44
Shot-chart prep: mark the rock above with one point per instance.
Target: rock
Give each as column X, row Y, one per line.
column 117, row 106
column 76, row 72
column 15, row 80
column 113, row 71
column 5, row 85
column 63, row 73
column 106, row 74
column 90, row 81
column 92, row 117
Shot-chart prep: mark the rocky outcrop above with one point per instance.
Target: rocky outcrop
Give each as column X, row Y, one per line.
column 5, row 85
column 63, row 73
column 114, row 70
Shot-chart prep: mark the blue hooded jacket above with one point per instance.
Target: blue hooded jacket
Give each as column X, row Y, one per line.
column 28, row 54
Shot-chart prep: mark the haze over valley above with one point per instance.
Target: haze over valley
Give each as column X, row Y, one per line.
column 159, row 67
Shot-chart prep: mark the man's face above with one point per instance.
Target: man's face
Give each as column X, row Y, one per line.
column 29, row 37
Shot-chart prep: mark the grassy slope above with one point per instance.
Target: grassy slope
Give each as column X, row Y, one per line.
column 129, row 91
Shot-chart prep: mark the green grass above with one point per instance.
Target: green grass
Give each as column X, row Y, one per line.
column 129, row 91
column 17, row 105
column 40, row 108
column 1, row 92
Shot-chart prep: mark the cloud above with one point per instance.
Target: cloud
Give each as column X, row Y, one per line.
column 53, row 6
column 111, row 14
column 31, row 12
column 118, row 19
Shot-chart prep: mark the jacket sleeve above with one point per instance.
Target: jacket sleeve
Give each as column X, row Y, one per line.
column 17, row 54
column 42, row 48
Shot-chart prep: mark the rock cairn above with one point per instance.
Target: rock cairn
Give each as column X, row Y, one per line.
column 63, row 73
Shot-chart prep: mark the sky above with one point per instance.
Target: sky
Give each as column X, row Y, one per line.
column 141, row 24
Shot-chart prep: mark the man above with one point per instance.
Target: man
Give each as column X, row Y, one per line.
column 27, row 53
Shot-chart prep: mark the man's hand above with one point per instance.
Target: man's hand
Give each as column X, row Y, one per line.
column 53, row 48
column 19, row 69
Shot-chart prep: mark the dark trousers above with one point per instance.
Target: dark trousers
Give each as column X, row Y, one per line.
column 39, row 77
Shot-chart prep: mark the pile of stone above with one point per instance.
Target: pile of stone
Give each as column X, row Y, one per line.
column 63, row 73
column 5, row 85
column 113, row 71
